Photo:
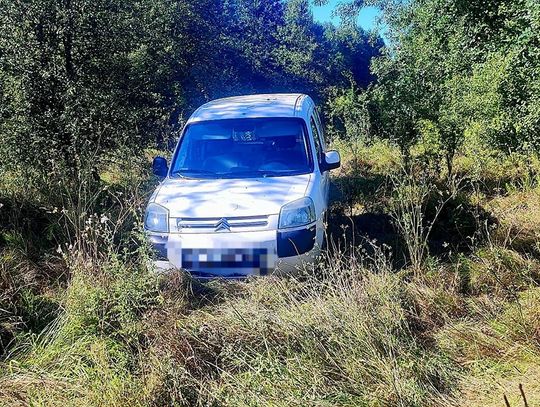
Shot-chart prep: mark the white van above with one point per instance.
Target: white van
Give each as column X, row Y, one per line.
column 246, row 191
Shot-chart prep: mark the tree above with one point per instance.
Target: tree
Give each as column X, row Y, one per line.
column 83, row 77
column 461, row 65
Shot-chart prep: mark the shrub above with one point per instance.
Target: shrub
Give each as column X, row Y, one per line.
column 499, row 271
column 89, row 355
column 412, row 196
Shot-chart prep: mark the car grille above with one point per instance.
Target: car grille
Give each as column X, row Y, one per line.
column 232, row 224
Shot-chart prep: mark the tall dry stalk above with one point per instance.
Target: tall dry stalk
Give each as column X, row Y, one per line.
column 408, row 207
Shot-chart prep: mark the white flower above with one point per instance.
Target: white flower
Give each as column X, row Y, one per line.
column 104, row 219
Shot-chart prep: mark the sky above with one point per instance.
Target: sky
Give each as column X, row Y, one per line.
column 366, row 19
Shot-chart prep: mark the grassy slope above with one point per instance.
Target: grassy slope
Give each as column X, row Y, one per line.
column 462, row 332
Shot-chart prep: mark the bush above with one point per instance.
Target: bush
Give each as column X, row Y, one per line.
column 89, row 355
column 87, row 351
column 498, row 271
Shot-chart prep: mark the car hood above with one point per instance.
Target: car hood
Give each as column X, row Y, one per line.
column 216, row 198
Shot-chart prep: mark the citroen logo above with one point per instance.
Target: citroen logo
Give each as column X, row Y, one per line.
column 222, row 225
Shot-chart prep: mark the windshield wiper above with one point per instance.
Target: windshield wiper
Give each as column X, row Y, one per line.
column 276, row 173
column 183, row 172
column 256, row 174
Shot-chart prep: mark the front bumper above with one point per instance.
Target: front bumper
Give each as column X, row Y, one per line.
column 236, row 255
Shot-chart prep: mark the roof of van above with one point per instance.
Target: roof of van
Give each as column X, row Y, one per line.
column 252, row 106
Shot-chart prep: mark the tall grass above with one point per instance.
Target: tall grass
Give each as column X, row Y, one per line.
column 104, row 329
column 344, row 337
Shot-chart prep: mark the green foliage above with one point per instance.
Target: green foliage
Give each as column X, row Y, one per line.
column 113, row 301
column 348, row 114
column 498, row 271
column 95, row 337
column 86, row 86
column 81, row 78
column 470, row 69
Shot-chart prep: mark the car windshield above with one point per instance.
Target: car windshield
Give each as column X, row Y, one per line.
column 243, row 148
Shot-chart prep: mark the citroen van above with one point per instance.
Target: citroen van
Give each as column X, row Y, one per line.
column 246, row 190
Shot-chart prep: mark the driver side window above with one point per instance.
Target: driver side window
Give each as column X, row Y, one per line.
column 319, row 123
column 317, row 139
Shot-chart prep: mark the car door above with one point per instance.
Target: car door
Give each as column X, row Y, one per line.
column 321, row 187
column 320, row 147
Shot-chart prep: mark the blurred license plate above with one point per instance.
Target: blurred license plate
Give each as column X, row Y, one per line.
column 205, row 259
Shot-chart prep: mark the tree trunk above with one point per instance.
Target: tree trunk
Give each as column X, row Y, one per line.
column 67, row 41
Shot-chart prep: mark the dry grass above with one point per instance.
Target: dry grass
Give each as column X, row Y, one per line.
column 343, row 340
column 462, row 330
column 519, row 216
column 488, row 388
column 501, row 350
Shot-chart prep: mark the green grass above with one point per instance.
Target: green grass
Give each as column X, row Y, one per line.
column 95, row 326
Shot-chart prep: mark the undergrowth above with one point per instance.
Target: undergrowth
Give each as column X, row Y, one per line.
column 85, row 321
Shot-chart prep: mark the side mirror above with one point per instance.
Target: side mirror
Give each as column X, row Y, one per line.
column 160, row 167
column 332, row 160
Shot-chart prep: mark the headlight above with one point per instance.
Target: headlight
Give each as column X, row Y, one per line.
column 297, row 213
column 156, row 218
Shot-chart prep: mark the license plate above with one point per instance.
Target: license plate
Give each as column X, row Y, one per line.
column 208, row 259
